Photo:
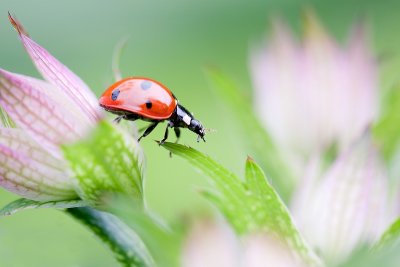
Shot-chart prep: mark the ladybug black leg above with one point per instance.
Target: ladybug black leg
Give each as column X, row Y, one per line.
column 128, row 117
column 200, row 137
column 165, row 136
column 144, row 128
column 118, row 119
column 148, row 130
column 177, row 133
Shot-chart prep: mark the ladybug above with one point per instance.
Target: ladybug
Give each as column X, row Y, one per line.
column 146, row 99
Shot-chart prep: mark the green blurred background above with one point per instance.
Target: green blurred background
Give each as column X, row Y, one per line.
column 171, row 41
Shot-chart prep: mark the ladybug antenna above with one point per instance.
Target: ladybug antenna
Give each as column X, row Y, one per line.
column 208, row 130
column 16, row 24
column 119, row 48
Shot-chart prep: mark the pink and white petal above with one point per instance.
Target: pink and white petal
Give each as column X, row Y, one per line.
column 277, row 76
column 46, row 121
column 18, row 140
column 260, row 250
column 304, row 193
column 306, row 93
column 58, row 97
column 349, row 206
column 271, row 66
column 323, row 91
column 28, row 178
column 60, row 76
column 211, row 244
column 337, row 79
column 269, row 74
column 363, row 77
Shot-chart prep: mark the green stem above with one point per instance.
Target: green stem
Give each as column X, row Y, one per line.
column 127, row 246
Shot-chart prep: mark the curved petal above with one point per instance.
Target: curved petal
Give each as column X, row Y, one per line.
column 49, row 121
column 215, row 244
column 348, row 206
column 261, row 248
column 212, row 245
column 60, row 76
column 31, row 179
column 274, row 75
column 363, row 81
column 19, row 141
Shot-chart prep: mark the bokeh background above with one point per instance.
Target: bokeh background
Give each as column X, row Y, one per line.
column 172, row 41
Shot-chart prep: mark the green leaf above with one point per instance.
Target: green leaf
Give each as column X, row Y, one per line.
column 108, row 161
column 228, row 185
column 127, row 246
column 24, row 204
column 269, row 211
column 255, row 179
column 163, row 243
column 249, row 206
column 387, row 131
column 391, row 237
column 258, row 139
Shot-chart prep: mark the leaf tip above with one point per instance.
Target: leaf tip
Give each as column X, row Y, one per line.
column 161, row 143
column 16, row 24
column 249, row 159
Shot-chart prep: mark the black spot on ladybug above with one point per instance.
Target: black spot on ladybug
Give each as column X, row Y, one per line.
column 115, row 94
column 149, row 104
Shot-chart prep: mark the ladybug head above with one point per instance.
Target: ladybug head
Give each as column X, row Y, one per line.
column 198, row 128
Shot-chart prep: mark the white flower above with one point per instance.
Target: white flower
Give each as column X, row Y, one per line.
column 314, row 94
column 47, row 113
column 346, row 206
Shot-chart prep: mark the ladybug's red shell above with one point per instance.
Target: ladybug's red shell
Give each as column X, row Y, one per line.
column 142, row 96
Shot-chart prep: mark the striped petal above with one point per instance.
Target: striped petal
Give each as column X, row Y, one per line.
column 347, row 206
column 59, row 75
column 32, row 105
column 28, row 171
column 17, row 140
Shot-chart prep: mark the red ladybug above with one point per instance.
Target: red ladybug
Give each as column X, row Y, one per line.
column 146, row 99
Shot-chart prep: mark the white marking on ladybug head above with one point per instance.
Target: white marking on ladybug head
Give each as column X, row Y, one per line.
column 187, row 119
